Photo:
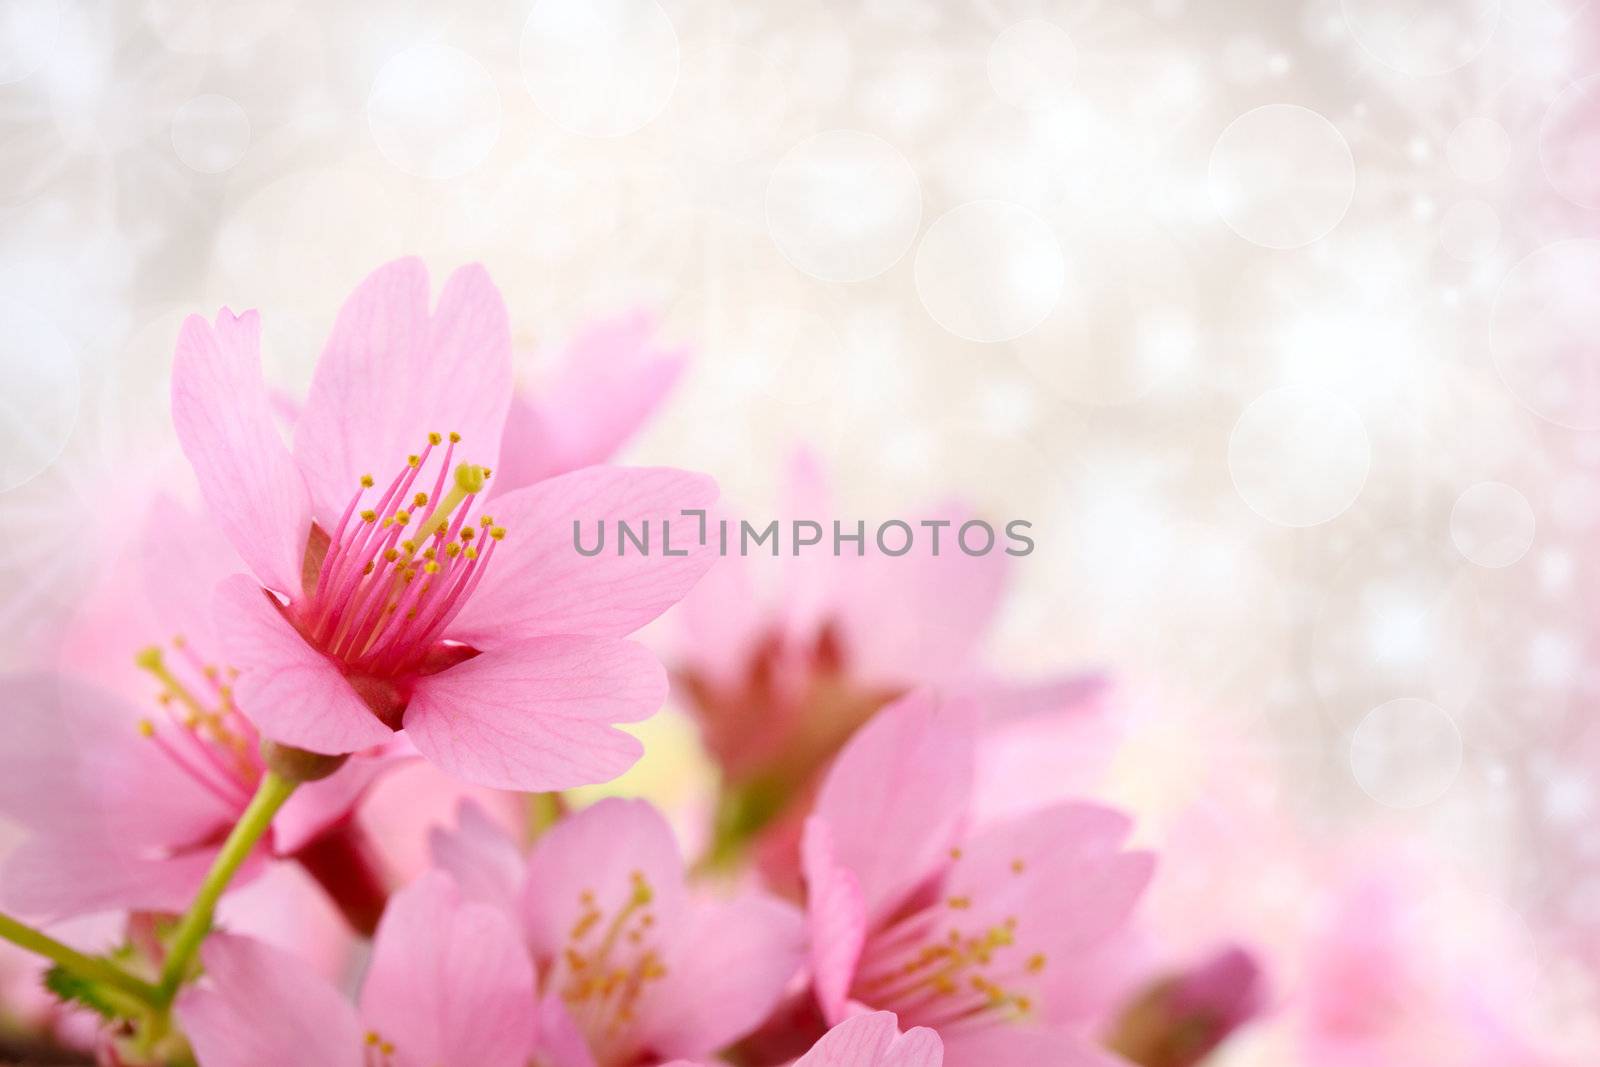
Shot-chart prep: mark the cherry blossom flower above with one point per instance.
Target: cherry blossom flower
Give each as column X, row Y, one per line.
column 990, row 937
column 449, row 986
column 382, row 594
column 1184, row 1017
column 634, row 968
column 870, row 1040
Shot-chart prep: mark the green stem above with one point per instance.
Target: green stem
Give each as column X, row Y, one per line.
column 196, row 922
column 70, row 959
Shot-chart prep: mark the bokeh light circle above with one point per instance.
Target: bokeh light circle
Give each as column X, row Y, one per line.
column 843, row 205
column 434, row 111
column 1546, row 318
column 1569, row 143
column 989, row 270
column 1478, row 150
column 1282, row 176
column 1299, row 456
column 1423, row 37
column 1031, row 64
column 601, row 68
column 210, row 133
column 1406, row 753
column 1492, row 524
column 39, row 405
column 28, row 30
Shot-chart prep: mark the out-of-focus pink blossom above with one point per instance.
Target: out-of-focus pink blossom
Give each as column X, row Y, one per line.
column 633, row 967
column 383, row 595
column 988, row 937
column 870, row 1040
column 1185, row 1017
column 449, row 986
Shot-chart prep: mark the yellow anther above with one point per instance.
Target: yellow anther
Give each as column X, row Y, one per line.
column 179, row 641
column 471, row 553
column 452, row 550
column 486, row 522
column 428, row 553
column 960, row 903
column 419, row 500
column 402, row 517
column 368, row 515
column 409, row 546
column 1018, row 866
column 366, row 481
column 1036, row 963
column 455, row 438
column 149, row 658
column 498, row 533
column 642, row 893
column 468, row 533
column 412, row 461
column 147, row 728
column 434, row 438
column 368, row 568
column 430, row 567
column 391, row 554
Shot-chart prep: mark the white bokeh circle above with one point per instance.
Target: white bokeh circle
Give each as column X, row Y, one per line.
column 1492, row 524
column 1299, row 456
column 1569, row 143
column 601, row 68
column 1546, row 318
column 1406, row 753
column 1031, row 64
column 28, row 30
column 1478, row 149
column 1282, row 176
column 434, row 111
column 843, row 205
column 1423, row 37
column 1470, row 231
column 989, row 270
column 39, row 404
column 210, row 133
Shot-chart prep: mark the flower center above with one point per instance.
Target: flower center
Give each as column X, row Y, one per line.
column 201, row 731
column 400, row 567
column 606, row 966
column 938, row 967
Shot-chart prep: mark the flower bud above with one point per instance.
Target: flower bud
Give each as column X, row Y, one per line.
column 1183, row 1018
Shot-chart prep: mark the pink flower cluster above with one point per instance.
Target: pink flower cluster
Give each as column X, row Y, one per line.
column 898, row 870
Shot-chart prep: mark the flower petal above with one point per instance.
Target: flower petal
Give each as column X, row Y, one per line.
column 874, row 1040
column 482, row 858
column 225, row 424
column 259, row 1005
column 1019, row 1046
column 611, row 378
column 450, row 982
column 896, row 799
column 536, row 716
column 837, row 917
column 316, row 806
column 391, row 374
column 740, row 955
column 51, row 878
column 290, row 690
column 538, row 583
column 597, row 851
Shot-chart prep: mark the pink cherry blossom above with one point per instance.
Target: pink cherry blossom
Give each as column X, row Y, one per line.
column 634, row 968
column 611, row 377
column 870, row 1040
column 987, row 937
column 449, row 986
column 383, row 595
column 130, row 761
column 1184, row 1017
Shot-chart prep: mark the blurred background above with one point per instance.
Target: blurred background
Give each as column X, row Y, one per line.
column 1277, row 318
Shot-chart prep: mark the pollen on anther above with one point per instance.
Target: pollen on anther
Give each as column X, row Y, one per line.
column 1018, row 866
column 369, row 515
column 498, row 533
column 434, row 438
column 470, row 552
column 366, row 481
column 413, row 460
column 430, row 567
column 468, row 533
column 149, row 658
column 147, row 728
column 391, row 554
column 455, row 438
column 420, row 500
column 452, row 550
column 402, row 517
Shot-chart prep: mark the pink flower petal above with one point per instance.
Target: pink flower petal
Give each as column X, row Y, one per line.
column 80, row 747
column 225, row 424
column 482, row 858
column 391, row 374
column 259, row 1005
column 51, row 878
column 896, row 799
column 537, row 716
column 611, row 379
column 538, row 583
column 450, row 982
column 837, row 917
column 561, row 1040
column 292, row 692
column 735, row 960
column 597, row 851
column 874, row 1040
column 316, row 806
